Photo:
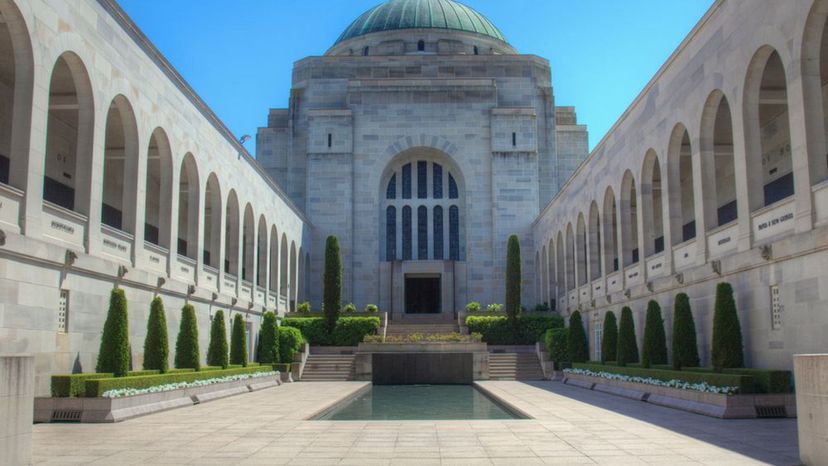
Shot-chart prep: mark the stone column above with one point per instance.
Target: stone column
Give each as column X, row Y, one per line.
column 16, row 408
column 811, row 380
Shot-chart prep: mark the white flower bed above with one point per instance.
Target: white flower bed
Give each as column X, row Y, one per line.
column 121, row 392
column 674, row 383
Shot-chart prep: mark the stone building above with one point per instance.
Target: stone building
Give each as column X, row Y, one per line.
column 422, row 140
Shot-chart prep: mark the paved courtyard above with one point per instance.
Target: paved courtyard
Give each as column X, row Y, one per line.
column 571, row 426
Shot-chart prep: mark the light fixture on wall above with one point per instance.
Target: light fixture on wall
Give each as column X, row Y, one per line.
column 214, row 296
column 766, row 251
column 679, row 278
column 716, row 265
column 191, row 289
column 122, row 270
column 2, row 238
column 233, row 301
column 69, row 258
column 160, row 282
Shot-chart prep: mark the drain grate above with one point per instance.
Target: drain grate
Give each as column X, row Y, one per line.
column 770, row 411
column 66, row 415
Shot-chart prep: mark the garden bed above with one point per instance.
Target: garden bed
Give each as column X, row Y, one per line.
column 698, row 396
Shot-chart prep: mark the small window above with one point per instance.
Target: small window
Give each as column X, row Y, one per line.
column 365, row 51
column 421, row 46
column 330, row 140
column 776, row 308
column 63, row 311
column 514, row 139
column 476, row 50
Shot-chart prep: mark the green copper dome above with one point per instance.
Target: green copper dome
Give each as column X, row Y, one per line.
column 411, row 14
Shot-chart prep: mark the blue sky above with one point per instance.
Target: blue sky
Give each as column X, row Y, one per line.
column 238, row 55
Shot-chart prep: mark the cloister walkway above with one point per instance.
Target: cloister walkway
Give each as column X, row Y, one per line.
column 571, row 426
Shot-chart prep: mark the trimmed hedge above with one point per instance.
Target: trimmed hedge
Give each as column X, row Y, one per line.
column 576, row 344
column 113, row 355
column 281, row 367
column 156, row 343
column 609, row 339
column 727, row 351
column 332, row 283
column 745, row 383
column 496, row 330
column 268, row 339
column 654, row 350
column 97, row 387
column 767, row 380
column 349, row 331
column 186, row 345
column 217, row 348
column 290, row 342
column 685, row 347
column 513, row 279
column 70, row 385
column 238, row 342
column 627, row 352
column 555, row 340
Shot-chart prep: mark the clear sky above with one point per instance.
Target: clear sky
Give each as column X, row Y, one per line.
column 238, row 55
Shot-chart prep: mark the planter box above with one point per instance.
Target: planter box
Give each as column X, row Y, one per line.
column 119, row 409
column 709, row 404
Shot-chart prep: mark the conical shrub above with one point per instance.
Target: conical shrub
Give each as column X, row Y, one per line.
column 186, row 345
column 269, row 339
column 513, row 279
column 627, row 352
column 332, row 283
column 609, row 338
column 156, row 344
column 655, row 341
column 217, row 350
column 685, row 347
column 113, row 355
column 238, row 342
column 576, row 344
column 727, row 351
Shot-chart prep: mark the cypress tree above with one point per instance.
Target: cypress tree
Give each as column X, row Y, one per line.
column 609, row 338
column 269, row 340
column 332, row 293
column 513, row 279
column 655, row 341
column 238, row 342
column 113, row 355
column 186, row 345
column 727, row 332
column 685, row 348
column 576, row 345
column 217, row 351
column 627, row 351
column 156, row 344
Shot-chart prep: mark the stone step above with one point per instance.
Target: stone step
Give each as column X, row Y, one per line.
column 328, row 367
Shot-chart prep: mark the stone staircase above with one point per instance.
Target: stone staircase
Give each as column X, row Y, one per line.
column 323, row 367
column 514, row 366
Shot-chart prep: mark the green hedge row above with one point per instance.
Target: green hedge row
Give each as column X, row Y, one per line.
column 69, row 385
column 96, row 387
column 767, row 380
column 497, row 330
column 349, row 331
column 745, row 383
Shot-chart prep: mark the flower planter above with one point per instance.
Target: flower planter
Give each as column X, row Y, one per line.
column 708, row 404
column 101, row 409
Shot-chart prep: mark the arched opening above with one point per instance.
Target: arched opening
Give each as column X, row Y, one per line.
column 283, row 267
column 651, row 199
column 560, row 261
column 719, row 176
column 550, row 274
column 188, row 210
column 231, row 235
column 300, row 276
column 120, row 167
column 768, row 131
column 629, row 219
column 610, row 231
column 293, row 284
column 248, row 245
column 594, row 229
column 158, row 199
column 261, row 253
column 66, row 181
column 274, row 260
column 16, row 84
column 682, row 195
column 421, row 46
column 540, row 273
column 306, row 279
column 570, row 258
column 212, row 222
column 581, row 254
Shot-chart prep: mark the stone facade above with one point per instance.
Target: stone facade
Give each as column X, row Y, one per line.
column 716, row 172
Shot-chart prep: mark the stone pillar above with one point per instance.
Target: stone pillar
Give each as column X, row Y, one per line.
column 811, row 380
column 16, row 408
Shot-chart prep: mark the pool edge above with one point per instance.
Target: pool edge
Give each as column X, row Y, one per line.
column 337, row 403
column 514, row 410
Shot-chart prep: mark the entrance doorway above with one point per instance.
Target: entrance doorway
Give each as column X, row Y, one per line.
column 422, row 294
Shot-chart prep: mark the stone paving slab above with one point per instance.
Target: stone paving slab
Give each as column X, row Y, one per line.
column 570, row 426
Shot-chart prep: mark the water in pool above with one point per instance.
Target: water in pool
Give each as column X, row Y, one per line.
column 419, row 402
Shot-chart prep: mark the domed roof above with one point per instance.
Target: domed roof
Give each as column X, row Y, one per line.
column 411, row 14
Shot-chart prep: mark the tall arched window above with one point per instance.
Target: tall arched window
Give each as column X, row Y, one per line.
column 120, row 166
column 421, row 46
column 682, row 196
column 159, row 190
column 406, row 229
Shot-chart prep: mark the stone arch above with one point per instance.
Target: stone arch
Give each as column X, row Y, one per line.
column 293, row 277
column 274, row 260
column 248, row 244
column 550, row 273
column 69, row 133
column 652, row 204
column 594, row 230
column 188, row 209
column 570, row 257
column 120, row 173
column 159, row 190
column 717, row 162
column 770, row 173
column 561, row 263
column 629, row 219
column 212, row 222
column 261, row 253
column 232, row 221
column 581, row 250
column 814, row 75
column 610, row 231
column 283, row 267
column 682, row 196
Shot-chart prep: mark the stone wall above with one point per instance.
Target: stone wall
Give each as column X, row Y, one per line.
column 17, row 408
